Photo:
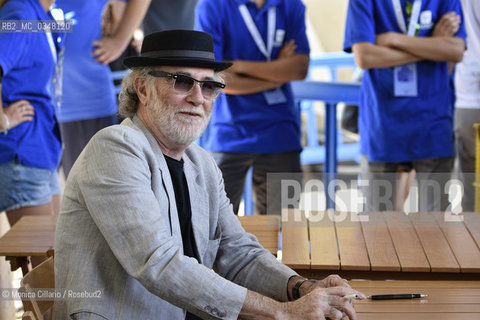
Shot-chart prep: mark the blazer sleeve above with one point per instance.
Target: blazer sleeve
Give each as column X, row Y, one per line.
column 242, row 259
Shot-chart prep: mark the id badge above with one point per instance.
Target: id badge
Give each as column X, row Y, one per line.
column 275, row 96
column 405, row 80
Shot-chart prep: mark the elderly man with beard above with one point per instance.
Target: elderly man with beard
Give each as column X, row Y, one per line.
column 146, row 230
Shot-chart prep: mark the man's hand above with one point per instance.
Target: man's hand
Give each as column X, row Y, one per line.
column 447, row 26
column 334, row 280
column 330, row 281
column 287, row 50
column 322, row 303
column 108, row 49
column 18, row 112
column 320, row 300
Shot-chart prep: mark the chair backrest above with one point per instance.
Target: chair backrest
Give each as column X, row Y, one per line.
column 42, row 276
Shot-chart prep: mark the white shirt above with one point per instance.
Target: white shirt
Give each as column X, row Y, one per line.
column 467, row 74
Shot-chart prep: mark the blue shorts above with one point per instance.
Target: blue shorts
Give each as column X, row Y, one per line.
column 22, row 186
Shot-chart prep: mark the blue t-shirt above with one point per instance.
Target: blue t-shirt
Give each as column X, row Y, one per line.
column 397, row 129
column 88, row 90
column 28, row 66
column 246, row 123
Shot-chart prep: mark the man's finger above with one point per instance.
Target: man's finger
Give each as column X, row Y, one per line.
column 334, row 313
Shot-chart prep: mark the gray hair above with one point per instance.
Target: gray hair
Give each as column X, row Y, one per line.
column 128, row 98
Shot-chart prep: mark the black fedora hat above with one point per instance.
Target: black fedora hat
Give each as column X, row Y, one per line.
column 177, row 48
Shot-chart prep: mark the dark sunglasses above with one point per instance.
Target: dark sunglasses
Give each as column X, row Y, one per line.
column 184, row 84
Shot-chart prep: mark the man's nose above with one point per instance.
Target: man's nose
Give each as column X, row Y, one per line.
column 196, row 96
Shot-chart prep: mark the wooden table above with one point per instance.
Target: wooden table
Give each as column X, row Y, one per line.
column 390, row 245
column 265, row 227
column 446, row 300
column 35, row 236
column 30, row 236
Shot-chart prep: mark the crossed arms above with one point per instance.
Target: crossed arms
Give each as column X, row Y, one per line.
column 246, row 77
column 393, row 49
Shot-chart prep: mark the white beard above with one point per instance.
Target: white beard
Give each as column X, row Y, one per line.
column 173, row 125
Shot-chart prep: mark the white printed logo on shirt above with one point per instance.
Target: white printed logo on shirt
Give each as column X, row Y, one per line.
column 426, row 20
column 279, row 36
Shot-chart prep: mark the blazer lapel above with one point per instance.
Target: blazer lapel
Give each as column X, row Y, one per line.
column 199, row 205
column 166, row 182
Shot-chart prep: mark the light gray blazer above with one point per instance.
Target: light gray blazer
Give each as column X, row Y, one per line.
column 118, row 237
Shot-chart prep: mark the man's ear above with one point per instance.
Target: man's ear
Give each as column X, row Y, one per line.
column 141, row 89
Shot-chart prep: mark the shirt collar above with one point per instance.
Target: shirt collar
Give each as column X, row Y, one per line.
column 39, row 10
column 267, row 2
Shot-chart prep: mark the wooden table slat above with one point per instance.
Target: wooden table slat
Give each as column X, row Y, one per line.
column 295, row 250
column 472, row 222
column 452, row 309
column 415, row 316
column 407, row 245
column 436, row 247
column 22, row 252
column 265, row 227
column 379, row 244
column 323, row 243
column 463, row 246
column 465, row 285
column 351, row 245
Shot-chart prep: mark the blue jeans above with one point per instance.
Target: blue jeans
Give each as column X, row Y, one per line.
column 22, row 186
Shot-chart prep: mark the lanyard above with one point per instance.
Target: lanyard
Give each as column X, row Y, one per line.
column 417, row 5
column 247, row 18
column 53, row 49
column 55, row 14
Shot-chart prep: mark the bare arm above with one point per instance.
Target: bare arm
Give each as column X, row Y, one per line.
column 279, row 70
column 18, row 112
column 368, row 56
column 110, row 48
column 442, row 48
column 238, row 84
column 383, row 54
column 246, row 77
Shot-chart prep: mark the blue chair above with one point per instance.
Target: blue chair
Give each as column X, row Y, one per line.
column 331, row 93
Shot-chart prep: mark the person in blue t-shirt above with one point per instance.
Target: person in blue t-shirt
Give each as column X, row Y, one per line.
column 406, row 116
column 256, row 123
column 88, row 101
column 30, row 145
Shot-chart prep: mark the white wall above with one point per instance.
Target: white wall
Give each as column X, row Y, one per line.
column 326, row 24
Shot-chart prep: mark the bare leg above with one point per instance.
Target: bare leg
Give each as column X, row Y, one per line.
column 404, row 181
column 56, row 199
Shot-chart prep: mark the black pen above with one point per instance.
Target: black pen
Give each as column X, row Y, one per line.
column 397, row 296
column 389, row 296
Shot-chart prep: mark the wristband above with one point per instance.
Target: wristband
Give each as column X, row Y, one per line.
column 296, row 288
column 7, row 125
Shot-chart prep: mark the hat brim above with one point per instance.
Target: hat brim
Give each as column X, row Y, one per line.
column 133, row 62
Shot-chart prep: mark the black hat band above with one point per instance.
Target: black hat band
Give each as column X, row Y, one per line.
column 179, row 53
